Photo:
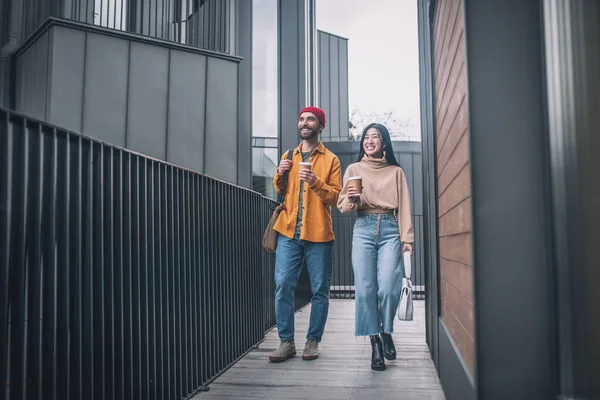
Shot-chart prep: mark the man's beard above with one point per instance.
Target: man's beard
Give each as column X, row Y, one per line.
column 314, row 133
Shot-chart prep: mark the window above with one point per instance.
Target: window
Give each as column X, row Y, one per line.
column 265, row 101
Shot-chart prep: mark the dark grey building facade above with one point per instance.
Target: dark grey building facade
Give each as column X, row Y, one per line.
column 333, row 85
column 164, row 78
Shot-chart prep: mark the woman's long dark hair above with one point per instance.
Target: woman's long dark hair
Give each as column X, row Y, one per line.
column 385, row 138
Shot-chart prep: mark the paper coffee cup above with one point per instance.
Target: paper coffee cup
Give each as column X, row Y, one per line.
column 305, row 165
column 356, row 183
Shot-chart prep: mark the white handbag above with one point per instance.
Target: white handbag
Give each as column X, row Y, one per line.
column 405, row 308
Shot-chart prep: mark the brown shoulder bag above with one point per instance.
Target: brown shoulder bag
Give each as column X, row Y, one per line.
column 270, row 236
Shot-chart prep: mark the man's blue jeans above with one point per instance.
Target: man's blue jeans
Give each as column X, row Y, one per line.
column 288, row 265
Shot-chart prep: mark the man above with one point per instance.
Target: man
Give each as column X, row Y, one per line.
column 305, row 230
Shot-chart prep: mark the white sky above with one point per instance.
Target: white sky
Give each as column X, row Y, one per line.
column 383, row 53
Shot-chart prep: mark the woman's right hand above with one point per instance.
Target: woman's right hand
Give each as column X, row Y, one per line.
column 353, row 195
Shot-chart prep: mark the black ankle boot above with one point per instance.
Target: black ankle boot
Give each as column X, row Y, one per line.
column 377, row 360
column 389, row 351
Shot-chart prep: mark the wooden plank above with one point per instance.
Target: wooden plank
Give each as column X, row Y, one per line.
column 457, row 220
column 458, row 275
column 459, row 188
column 461, row 306
column 449, row 48
column 457, row 248
column 455, row 121
column 343, row 370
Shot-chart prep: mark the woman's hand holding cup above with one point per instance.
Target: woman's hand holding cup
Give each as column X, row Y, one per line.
column 354, row 188
column 353, row 194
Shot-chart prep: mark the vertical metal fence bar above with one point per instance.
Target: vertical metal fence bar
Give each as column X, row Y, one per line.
column 44, row 228
column 129, row 314
column 137, row 301
column 222, row 255
column 212, row 277
column 109, row 272
column 169, row 337
column 231, row 278
column 163, row 268
column 203, row 196
column 64, row 291
column 118, row 278
column 177, row 239
column 207, row 320
column 6, row 190
column 75, row 181
column 49, row 277
column 143, row 227
column 172, row 340
column 160, row 203
column 99, row 268
column 202, row 335
column 154, row 254
column 33, row 373
column 213, row 266
column 226, row 282
column 181, row 297
column 173, row 261
column 87, row 371
column 184, row 280
column 195, row 287
column 189, row 299
column 253, row 247
column 239, row 264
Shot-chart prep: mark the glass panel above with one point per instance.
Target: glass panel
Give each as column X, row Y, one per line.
column 264, row 68
column 265, row 142
column 264, row 163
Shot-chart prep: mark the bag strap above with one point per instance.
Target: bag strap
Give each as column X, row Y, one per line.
column 281, row 194
column 407, row 264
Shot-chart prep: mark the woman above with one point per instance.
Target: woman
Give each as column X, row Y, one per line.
column 382, row 233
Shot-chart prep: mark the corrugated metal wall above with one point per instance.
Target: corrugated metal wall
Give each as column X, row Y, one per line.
column 332, row 58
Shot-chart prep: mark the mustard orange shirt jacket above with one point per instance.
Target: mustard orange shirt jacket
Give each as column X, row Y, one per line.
column 317, row 198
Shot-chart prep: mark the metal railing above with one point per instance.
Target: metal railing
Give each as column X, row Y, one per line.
column 122, row 276
column 201, row 23
column 342, row 278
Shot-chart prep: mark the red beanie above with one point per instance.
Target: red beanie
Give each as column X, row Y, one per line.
column 320, row 114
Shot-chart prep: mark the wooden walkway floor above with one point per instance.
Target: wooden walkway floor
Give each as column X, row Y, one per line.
column 343, row 369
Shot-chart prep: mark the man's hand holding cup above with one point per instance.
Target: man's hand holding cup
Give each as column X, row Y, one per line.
column 306, row 174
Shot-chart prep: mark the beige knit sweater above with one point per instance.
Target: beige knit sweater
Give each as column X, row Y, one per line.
column 384, row 187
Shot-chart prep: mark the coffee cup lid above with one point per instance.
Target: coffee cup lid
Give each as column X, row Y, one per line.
column 353, row 178
column 305, row 163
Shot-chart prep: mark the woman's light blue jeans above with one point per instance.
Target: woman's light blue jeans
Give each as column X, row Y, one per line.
column 378, row 272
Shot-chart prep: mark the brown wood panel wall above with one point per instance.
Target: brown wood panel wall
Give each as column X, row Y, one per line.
column 454, row 179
